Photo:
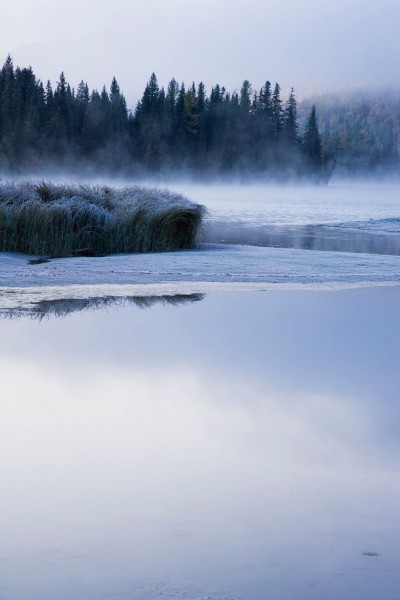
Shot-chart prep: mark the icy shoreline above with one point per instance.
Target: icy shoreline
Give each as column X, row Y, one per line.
column 210, row 269
column 209, row 264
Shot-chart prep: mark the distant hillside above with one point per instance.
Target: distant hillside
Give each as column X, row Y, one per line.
column 360, row 130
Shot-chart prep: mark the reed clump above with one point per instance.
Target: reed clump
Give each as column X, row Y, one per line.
column 56, row 220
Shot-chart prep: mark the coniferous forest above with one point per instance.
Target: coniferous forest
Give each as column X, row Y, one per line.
column 250, row 132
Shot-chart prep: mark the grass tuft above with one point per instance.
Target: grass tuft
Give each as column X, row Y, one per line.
column 56, row 220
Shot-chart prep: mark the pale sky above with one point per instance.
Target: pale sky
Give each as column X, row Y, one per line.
column 313, row 45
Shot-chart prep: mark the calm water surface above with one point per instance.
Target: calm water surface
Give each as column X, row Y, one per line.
column 241, row 446
column 344, row 217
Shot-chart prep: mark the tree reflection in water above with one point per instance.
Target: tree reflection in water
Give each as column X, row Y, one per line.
column 66, row 306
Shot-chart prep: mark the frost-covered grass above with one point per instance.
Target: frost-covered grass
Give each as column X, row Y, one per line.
column 57, row 220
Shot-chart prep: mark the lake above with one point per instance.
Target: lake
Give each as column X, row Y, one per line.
column 216, row 424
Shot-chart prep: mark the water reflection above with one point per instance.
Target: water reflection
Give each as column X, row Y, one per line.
column 244, row 447
column 66, row 306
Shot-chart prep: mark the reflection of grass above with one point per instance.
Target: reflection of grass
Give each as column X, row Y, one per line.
column 65, row 307
column 71, row 220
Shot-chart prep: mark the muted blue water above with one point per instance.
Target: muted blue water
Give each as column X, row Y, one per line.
column 214, row 446
column 337, row 218
column 239, row 447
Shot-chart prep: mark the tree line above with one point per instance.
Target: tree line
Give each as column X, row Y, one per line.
column 173, row 129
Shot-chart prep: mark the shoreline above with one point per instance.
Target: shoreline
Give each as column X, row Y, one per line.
column 222, row 266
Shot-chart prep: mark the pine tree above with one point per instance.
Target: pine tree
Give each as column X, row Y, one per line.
column 276, row 113
column 61, row 114
column 245, row 97
column 169, row 121
column 290, row 124
column 95, row 127
column 29, row 116
column 171, row 97
column 263, row 131
column 243, row 129
column 148, row 117
column 312, row 141
column 118, row 109
column 81, row 107
column 7, row 111
column 180, row 119
column 215, row 124
column 202, row 112
column 265, row 99
column 149, row 102
column 191, row 118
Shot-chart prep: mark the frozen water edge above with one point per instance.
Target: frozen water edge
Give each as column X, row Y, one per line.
column 208, row 269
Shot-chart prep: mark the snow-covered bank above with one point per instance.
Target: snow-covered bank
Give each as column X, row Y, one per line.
column 210, row 263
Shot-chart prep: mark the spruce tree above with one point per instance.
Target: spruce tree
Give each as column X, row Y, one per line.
column 290, row 124
column 7, row 111
column 171, row 97
column 180, row 122
column 118, row 109
column 245, row 97
column 312, row 141
column 150, row 99
column 169, row 124
column 81, row 107
column 61, row 111
column 277, row 113
column 191, row 121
